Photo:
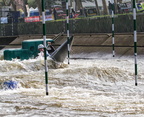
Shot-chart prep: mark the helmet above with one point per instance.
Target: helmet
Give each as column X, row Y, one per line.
column 40, row 46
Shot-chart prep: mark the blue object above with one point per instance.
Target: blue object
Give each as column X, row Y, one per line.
column 10, row 84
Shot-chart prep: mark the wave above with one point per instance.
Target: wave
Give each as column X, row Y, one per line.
column 80, row 73
column 27, row 72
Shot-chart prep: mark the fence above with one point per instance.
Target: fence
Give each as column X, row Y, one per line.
column 123, row 23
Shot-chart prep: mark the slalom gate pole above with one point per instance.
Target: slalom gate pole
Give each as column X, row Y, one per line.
column 68, row 46
column 113, row 38
column 44, row 42
column 135, row 40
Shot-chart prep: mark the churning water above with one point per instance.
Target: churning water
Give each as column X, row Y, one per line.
column 84, row 88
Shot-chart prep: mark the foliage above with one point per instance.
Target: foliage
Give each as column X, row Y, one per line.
column 123, row 23
column 48, row 3
column 32, row 3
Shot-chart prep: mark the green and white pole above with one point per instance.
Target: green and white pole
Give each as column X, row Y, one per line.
column 113, row 36
column 135, row 40
column 44, row 42
column 68, row 46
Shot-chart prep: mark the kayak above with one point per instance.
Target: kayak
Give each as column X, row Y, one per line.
column 61, row 52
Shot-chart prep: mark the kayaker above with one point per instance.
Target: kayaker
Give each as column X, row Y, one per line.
column 41, row 50
column 50, row 48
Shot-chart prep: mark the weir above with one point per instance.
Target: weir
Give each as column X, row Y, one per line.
column 86, row 44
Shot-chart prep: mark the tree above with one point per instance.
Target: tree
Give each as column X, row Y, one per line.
column 25, row 5
column 115, row 6
column 12, row 3
column 120, row 1
column 49, row 3
column 78, row 4
column 97, row 8
column 7, row 2
column 105, row 12
column 39, row 6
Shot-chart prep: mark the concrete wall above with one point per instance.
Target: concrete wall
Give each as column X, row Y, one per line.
column 90, row 45
column 100, row 45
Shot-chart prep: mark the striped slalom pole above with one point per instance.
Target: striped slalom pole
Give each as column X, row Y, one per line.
column 44, row 42
column 135, row 40
column 113, row 38
column 68, row 46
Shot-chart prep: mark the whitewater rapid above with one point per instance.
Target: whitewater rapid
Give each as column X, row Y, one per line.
column 84, row 88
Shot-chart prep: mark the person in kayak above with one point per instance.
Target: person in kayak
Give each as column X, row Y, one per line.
column 50, row 48
column 41, row 50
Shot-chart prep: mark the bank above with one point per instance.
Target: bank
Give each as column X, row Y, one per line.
column 92, row 36
column 92, row 45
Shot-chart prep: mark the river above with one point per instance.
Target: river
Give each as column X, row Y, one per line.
column 85, row 88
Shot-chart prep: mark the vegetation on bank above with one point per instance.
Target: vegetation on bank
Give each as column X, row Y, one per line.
column 95, row 24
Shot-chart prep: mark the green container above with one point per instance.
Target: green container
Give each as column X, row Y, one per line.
column 16, row 54
column 32, row 46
